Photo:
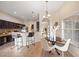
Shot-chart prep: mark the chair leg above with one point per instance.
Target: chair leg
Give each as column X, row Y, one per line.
column 57, row 51
column 62, row 54
column 49, row 52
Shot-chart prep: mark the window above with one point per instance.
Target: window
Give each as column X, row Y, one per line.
column 70, row 29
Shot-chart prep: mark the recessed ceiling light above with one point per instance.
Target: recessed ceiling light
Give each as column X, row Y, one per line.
column 43, row 16
column 33, row 16
column 14, row 12
column 48, row 15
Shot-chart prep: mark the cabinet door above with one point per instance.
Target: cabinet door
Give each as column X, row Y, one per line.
column 6, row 24
column 0, row 24
column 1, row 41
column 9, row 38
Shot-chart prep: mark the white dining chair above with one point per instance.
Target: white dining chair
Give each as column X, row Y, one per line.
column 63, row 48
column 46, row 46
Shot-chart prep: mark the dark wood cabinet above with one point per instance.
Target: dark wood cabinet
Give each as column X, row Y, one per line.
column 10, row 25
column 5, row 39
column 9, row 39
column 37, row 25
column 0, row 24
column 1, row 41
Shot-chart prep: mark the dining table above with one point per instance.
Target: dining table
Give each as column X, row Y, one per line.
column 58, row 41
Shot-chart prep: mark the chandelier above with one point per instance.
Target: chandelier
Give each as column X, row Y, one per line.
column 47, row 15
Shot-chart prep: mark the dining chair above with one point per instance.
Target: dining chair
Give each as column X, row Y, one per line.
column 46, row 46
column 63, row 48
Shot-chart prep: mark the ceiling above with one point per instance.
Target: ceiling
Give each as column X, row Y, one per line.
column 23, row 9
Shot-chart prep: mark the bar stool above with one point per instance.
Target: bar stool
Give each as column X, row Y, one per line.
column 31, row 38
column 19, row 41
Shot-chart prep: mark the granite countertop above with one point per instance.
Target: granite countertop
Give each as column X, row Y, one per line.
column 4, row 35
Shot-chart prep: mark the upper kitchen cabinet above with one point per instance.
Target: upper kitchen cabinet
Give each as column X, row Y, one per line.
column 9, row 25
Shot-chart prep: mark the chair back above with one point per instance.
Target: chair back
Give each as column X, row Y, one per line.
column 66, row 45
column 46, row 47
